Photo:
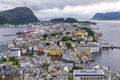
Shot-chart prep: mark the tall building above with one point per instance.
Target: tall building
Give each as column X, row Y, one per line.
column 88, row 75
column 3, row 47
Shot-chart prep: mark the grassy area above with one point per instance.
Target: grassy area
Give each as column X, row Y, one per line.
column 12, row 60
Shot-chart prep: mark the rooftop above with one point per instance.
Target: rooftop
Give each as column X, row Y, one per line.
column 88, row 72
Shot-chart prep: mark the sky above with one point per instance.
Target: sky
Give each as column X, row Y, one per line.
column 82, row 9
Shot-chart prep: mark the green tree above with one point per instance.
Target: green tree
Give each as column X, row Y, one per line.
column 29, row 53
column 4, row 59
column 16, row 62
column 12, row 59
column 79, row 40
column 70, row 79
column 90, row 31
column 94, row 39
column 66, row 38
column 68, row 44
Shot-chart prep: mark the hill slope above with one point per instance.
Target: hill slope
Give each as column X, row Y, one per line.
column 107, row 16
column 19, row 15
column 68, row 20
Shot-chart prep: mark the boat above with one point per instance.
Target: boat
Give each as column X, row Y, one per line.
column 25, row 32
column 20, row 32
column 92, row 59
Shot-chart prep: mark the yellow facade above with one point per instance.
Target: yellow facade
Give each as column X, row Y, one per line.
column 84, row 33
column 55, row 51
column 83, row 54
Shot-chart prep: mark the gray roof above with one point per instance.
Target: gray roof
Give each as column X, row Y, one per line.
column 83, row 50
column 88, row 72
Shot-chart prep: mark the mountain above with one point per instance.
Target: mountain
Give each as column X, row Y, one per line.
column 107, row 16
column 19, row 15
column 68, row 20
column 58, row 20
column 72, row 20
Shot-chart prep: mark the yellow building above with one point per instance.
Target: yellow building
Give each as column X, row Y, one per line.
column 55, row 52
column 81, row 33
column 83, row 51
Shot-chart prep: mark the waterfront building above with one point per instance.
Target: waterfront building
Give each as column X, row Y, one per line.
column 88, row 75
column 93, row 47
column 82, row 51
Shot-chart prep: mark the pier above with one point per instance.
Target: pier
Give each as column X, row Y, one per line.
column 111, row 47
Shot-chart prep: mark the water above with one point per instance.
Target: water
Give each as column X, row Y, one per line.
column 111, row 34
column 6, row 31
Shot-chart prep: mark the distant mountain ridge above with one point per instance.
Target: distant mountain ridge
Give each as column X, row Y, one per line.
column 71, row 20
column 18, row 15
column 68, row 20
column 107, row 16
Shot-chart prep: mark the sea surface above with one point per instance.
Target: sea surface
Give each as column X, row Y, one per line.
column 111, row 34
column 9, row 31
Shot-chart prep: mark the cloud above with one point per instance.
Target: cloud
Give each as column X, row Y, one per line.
column 63, row 8
column 80, row 11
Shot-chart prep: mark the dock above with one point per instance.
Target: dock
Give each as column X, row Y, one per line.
column 111, row 47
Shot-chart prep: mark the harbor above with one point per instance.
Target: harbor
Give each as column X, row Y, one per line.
column 46, row 47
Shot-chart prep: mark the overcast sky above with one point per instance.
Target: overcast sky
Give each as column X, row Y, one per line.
column 63, row 8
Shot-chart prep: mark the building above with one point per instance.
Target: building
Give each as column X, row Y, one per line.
column 82, row 34
column 3, row 48
column 55, row 52
column 15, row 52
column 88, row 75
column 94, row 47
column 8, row 72
column 82, row 51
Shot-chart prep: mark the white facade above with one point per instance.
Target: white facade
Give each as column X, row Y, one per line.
column 15, row 52
column 94, row 49
column 88, row 75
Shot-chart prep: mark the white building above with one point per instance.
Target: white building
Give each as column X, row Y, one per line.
column 15, row 52
column 88, row 75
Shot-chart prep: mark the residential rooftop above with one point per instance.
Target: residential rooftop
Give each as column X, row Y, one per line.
column 88, row 72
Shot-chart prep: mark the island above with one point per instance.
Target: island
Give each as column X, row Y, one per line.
column 107, row 16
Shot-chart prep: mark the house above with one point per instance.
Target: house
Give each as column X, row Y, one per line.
column 82, row 51
column 94, row 47
column 14, row 52
column 59, row 75
column 55, row 51
column 26, row 64
column 81, row 34
column 3, row 48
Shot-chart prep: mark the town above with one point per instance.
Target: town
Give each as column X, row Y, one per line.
column 54, row 51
